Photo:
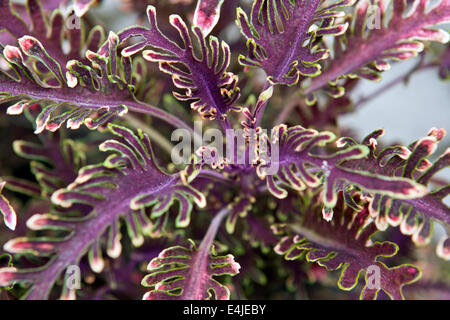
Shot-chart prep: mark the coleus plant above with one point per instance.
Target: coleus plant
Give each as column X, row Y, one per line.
column 332, row 203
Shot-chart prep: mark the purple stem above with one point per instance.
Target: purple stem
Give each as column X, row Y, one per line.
column 201, row 261
column 214, row 174
column 260, row 111
column 60, row 96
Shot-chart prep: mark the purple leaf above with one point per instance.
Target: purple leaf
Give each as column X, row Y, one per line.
column 299, row 168
column 128, row 182
column 276, row 34
column 412, row 215
column 55, row 162
column 213, row 89
column 78, row 90
column 191, row 270
column 22, row 186
column 239, row 208
column 34, row 24
column 207, row 15
column 345, row 244
column 365, row 50
column 444, row 70
column 53, row 4
column 258, row 233
column 7, row 211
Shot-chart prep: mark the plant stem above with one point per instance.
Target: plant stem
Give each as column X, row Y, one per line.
column 261, row 110
column 214, row 174
column 200, row 264
column 145, row 108
column 154, row 134
column 207, row 241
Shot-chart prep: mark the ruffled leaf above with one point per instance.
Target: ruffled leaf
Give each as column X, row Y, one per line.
column 207, row 14
column 207, row 82
column 365, row 51
column 299, row 168
column 34, row 22
column 414, row 216
column 54, row 162
column 78, row 91
column 7, row 211
column 129, row 186
column 279, row 38
column 91, row 88
column 345, row 244
column 187, row 273
column 239, row 208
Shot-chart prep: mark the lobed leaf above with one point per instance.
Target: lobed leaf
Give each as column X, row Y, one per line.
column 7, row 211
column 207, row 15
column 91, row 88
column 186, row 273
column 299, row 168
column 207, row 82
column 280, row 39
column 54, row 162
column 376, row 37
column 124, row 187
column 414, row 216
column 345, row 244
